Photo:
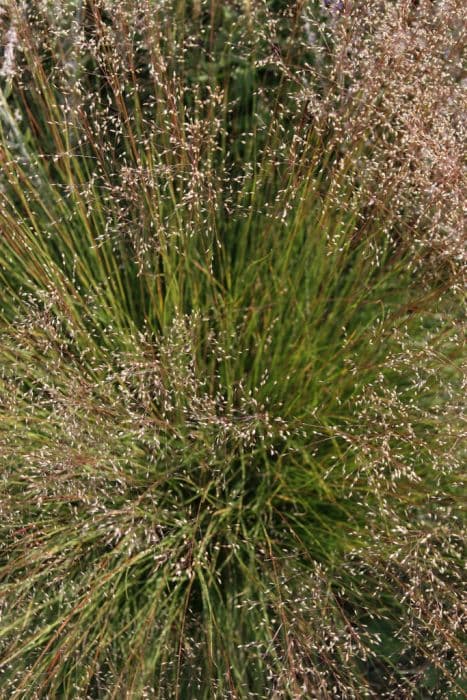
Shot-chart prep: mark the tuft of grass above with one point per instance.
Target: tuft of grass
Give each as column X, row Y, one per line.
column 232, row 375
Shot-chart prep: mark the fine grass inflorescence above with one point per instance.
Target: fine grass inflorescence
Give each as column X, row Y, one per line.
column 231, row 369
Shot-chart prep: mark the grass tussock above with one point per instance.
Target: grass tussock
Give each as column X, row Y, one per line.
column 231, row 322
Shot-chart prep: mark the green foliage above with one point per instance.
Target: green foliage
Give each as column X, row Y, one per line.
column 230, row 388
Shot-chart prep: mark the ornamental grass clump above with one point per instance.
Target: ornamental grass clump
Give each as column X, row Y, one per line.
column 231, row 366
